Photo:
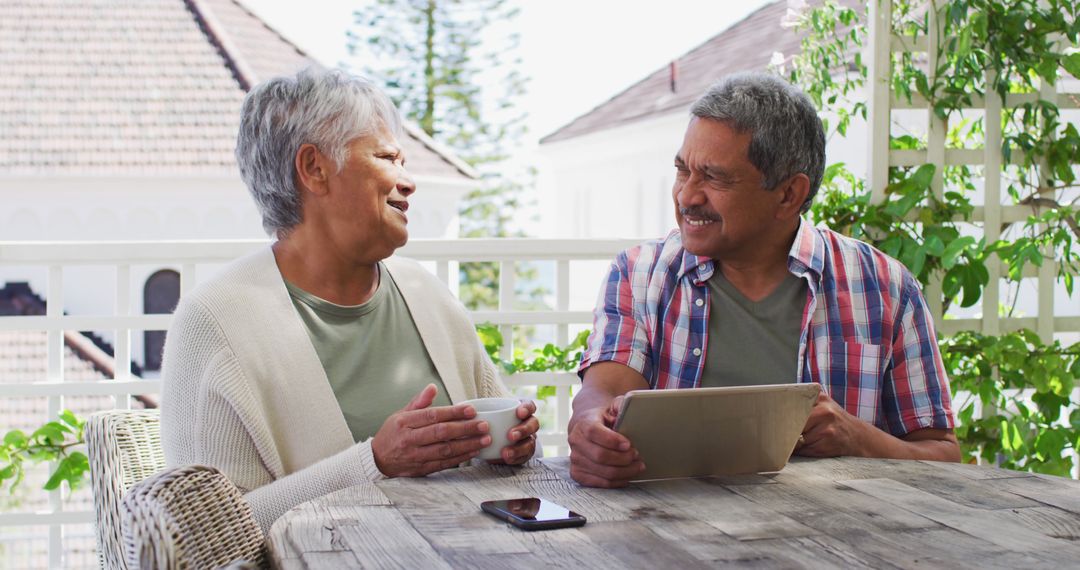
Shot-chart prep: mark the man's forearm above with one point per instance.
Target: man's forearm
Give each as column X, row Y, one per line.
column 604, row 382
column 589, row 398
column 927, row 444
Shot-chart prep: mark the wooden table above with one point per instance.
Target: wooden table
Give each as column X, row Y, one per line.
column 844, row 512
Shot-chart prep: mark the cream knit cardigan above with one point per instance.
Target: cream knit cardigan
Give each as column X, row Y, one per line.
column 244, row 390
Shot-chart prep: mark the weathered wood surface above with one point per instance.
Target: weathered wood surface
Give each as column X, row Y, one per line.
column 827, row 513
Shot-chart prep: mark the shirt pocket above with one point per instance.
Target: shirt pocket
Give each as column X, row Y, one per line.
column 852, row 375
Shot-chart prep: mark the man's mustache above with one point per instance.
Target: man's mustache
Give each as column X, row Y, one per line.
column 698, row 212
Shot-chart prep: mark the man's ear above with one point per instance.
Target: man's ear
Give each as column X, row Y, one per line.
column 793, row 195
column 312, row 170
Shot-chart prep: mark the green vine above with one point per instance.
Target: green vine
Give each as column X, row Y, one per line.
column 1022, row 424
column 54, row 441
column 550, row 358
column 1014, row 387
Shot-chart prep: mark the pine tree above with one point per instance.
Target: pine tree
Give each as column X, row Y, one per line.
column 450, row 66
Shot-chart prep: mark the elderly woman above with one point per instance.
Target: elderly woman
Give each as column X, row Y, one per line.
column 320, row 361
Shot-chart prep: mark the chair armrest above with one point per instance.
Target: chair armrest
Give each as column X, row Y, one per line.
column 189, row 517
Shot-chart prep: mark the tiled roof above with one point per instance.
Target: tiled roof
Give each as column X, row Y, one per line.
column 139, row 86
column 745, row 46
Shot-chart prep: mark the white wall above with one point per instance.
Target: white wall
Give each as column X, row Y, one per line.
column 611, row 183
column 617, row 182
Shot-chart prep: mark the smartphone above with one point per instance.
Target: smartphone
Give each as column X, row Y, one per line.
column 532, row 513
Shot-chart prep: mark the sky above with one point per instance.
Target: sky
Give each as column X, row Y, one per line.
column 577, row 53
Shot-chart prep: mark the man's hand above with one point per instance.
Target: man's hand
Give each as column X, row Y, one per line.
column 522, row 437
column 418, row 439
column 600, row 456
column 830, row 431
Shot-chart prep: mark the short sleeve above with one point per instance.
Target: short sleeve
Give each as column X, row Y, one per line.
column 916, row 396
column 619, row 333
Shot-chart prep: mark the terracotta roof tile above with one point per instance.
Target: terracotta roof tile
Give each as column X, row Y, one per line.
column 137, row 87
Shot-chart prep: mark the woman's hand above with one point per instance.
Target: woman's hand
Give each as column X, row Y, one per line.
column 418, row 439
column 522, row 437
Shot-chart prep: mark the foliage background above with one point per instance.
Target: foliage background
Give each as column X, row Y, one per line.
column 1012, row 392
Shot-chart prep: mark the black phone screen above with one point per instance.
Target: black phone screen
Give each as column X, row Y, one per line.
column 532, row 513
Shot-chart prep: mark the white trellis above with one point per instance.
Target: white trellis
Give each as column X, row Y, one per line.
column 883, row 43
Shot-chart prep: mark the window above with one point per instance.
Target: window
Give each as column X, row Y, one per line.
column 160, row 296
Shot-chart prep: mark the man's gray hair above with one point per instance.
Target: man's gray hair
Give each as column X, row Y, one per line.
column 326, row 108
column 786, row 134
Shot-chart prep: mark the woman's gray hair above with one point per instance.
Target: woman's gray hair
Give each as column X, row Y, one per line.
column 326, row 108
column 786, row 133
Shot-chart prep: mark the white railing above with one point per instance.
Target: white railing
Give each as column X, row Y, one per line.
column 188, row 256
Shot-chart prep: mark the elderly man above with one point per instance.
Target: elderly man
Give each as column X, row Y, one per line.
column 746, row 291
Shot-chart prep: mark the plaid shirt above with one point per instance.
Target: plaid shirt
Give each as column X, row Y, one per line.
column 867, row 336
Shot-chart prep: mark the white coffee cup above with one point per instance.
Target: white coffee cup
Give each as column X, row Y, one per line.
column 501, row 416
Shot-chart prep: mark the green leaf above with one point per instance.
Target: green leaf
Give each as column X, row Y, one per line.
column 891, row 246
column 51, row 432
column 61, row 474
column 963, row 46
column 923, row 176
column 916, row 260
column 78, row 467
column 954, row 249
column 70, row 419
column 971, row 286
column 1006, row 441
column 15, row 438
column 934, row 246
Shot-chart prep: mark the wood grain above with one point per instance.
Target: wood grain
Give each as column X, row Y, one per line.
column 1051, row 521
column 728, row 512
column 1055, row 491
column 824, row 513
column 987, row 525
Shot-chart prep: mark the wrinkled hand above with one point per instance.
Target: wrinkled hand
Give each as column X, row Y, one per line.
column 600, row 456
column 522, row 437
column 831, row 431
column 419, row 439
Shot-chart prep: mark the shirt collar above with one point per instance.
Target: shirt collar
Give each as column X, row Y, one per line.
column 807, row 254
column 703, row 266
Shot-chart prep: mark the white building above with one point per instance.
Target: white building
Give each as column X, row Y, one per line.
column 618, row 158
column 118, row 122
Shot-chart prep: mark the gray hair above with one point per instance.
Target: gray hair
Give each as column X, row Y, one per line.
column 326, row 108
column 786, row 134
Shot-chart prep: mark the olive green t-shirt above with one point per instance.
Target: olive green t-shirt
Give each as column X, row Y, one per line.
column 372, row 354
column 753, row 342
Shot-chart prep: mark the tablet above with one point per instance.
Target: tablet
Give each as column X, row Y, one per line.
column 715, row 431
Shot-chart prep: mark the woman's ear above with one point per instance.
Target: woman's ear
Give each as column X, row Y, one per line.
column 312, row 171
column 793, row 195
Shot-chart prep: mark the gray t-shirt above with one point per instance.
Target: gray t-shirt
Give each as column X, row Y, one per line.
column 372, row 354
column 753, row 342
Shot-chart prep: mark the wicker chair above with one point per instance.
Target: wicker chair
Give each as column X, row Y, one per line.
column 189, row 517
column 123, row 447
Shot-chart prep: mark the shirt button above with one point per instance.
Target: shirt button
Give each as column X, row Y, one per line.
column 699, row 302
column 701, row 267
column 697, row 352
